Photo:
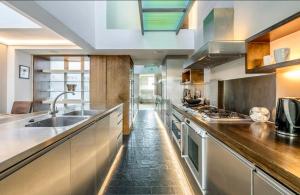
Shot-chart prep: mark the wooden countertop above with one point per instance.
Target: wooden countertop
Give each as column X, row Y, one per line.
column 257, row 142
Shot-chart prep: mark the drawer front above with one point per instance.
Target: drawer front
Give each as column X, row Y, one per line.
column 226, row 173
column 264, row 184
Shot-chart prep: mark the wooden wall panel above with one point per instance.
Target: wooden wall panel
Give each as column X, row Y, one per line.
column 118, row 68
column 110, row 83
column 98, row 81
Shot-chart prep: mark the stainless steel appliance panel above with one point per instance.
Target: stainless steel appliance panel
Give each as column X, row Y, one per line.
column 47, row 175
column 102, row 128
column 264, row 184
column 184, row 138
column 83, row 162
column 227, row 173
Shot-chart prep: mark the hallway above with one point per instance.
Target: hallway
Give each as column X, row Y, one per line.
column 148, row 164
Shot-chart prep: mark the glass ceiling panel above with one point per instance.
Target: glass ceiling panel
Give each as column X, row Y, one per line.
column 164, row 3
column 161, row 21
column 163, row 15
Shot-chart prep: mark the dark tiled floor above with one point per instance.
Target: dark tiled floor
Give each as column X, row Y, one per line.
column 147, row 165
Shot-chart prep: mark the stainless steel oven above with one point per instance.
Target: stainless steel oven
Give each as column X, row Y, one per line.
column 194, row 141
column 177, row 120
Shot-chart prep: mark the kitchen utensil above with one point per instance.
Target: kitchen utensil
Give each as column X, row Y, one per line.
column 287, row 120
column 281, row 54
column 267, row 60
column 193, row 101
column 259, row 114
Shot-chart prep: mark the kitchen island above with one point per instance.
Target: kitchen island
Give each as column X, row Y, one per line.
column 62, row 159
column 277, row 156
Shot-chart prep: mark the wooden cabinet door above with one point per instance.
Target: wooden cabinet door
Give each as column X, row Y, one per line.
column 83, row 162
column 47, row 175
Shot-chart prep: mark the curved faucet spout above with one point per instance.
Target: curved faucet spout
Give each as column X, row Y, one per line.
column 53, row 110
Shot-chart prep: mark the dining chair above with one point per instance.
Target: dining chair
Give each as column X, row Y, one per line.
column 21, row 107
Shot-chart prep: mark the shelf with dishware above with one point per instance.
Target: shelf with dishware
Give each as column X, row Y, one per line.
column 274, row 47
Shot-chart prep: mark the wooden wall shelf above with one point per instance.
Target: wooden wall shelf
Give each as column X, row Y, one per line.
column 192, row 77
column 258, row 45
column 272, row 68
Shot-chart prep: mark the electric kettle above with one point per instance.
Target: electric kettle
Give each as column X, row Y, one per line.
column 287, row 120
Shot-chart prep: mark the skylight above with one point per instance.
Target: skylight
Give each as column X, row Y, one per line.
column 10, row 19
column 163, row 15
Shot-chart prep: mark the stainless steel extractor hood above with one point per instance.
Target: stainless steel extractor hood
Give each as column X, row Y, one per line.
column 220, row 46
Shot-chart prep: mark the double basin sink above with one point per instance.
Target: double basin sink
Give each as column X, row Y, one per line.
column 66, row 119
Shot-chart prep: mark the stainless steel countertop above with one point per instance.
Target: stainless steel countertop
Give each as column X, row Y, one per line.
column 18, row 142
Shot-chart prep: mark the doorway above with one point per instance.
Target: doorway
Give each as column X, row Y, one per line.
column 146, row 92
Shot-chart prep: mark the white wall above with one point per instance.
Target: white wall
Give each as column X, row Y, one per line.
column 79, row 16
column 23, row 87
column 3, row 64
column 123, row 15
column 17, row 89
column 174, row 88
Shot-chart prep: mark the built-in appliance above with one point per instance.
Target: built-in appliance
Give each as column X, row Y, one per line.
column 218, row 35
column 213, row 114
column 288, row 116
column 194, row 151
column 177, row 120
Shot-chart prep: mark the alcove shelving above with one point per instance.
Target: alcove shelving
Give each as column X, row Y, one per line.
column 260, row 45
column 53, row 73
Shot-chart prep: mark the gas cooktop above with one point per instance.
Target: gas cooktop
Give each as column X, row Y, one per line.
column 210, row 113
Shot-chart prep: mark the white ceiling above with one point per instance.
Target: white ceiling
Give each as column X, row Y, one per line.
column 16, row 29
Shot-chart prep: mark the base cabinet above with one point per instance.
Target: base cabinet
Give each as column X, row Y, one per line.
column 47, row 175
column 77, row 166
column 264, row 184
column 226, row 172
column 102, row 149
column 83, row 162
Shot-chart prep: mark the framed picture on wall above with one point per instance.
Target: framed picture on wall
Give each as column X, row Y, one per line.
column 24, row 72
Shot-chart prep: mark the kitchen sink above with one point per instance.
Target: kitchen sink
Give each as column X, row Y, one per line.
column 81, row 113
column 56, row 122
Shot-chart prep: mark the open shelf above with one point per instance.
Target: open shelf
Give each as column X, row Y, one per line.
column 63, row 71
column 65, row 101
column 272, row 68
column 259, row 45
column 192, row 77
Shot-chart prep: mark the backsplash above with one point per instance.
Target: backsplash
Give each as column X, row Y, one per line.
column 240, row 95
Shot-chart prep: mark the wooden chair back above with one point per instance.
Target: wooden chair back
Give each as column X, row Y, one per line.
column 21, row 107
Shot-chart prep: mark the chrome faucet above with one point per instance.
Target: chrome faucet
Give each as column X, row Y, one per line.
column 53, row 109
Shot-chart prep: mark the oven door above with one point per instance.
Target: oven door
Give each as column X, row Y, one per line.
column 195, row 157
column 176, row 130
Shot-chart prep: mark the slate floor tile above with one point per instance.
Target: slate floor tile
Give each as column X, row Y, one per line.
column 146, row 166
